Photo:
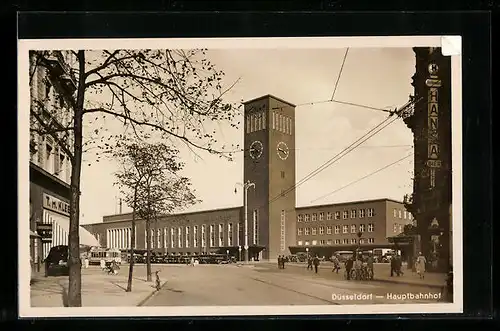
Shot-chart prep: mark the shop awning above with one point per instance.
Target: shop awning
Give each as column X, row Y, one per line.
column 86, row 238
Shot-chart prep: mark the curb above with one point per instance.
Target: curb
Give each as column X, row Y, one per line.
column 407, row 283
column 150, row 295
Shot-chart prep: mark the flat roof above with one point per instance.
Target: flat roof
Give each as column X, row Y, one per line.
column 171, row 215
column 239, row 207
column 349, row 203
column 269, row 96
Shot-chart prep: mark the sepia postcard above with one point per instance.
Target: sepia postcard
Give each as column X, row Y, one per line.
column 240, row 176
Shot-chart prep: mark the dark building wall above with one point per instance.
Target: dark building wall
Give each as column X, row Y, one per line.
column 273, row 175
column 431, row 198
column 255, row 170
column 282, row 180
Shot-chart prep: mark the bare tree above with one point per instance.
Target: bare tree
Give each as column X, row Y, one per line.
column 152, row 186
column 172, row 95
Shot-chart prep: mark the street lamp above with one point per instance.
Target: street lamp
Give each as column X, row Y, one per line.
column 359, row 234
column 227, row 254
column 307, row 252
column 246, row 186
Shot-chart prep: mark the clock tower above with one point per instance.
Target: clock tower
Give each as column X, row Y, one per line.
column 269, row 163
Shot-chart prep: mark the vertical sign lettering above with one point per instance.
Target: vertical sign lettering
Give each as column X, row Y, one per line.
column 433, row 152
column 433, row 124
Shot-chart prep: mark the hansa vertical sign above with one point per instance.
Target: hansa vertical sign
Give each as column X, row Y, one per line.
column 434, row 83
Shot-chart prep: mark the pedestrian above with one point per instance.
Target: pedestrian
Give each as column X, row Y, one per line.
column 283, row 261
column 316, row 263
column 309, row 263
column 369, row 265
column 399, row 265
column 358, row 265
column 348, row 267
column 420, row 265
column 192, row 262
column 393, row 265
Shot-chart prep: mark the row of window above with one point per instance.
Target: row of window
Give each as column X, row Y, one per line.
column 323, row 242
column 257, row 121
column 44, row 151
column 49, row 157
column 397, row 228
column 282, row 123
column 403, row 214
column 182, row 237
column 370, row 212
column 345, row 229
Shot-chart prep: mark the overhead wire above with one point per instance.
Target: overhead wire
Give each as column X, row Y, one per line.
column 379, row 127
column 362, row 178
column 340, row 74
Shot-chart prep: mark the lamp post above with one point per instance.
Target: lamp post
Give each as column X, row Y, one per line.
column 359, row 234
column 246, row 186
column 227, row 254
column 307, row 252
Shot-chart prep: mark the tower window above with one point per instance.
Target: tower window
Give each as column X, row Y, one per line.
column 282, row 174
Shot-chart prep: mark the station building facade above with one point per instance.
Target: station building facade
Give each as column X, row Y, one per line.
column 275, row 226
column 321, row 229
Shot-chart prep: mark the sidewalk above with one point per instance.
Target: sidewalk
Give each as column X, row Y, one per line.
column 382, row 273
column 98, row 288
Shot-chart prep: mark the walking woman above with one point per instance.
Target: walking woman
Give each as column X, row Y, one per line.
column 420, row 265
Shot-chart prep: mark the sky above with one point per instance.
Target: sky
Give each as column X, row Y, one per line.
column 376, row 77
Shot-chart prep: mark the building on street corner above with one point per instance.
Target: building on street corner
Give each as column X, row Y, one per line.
column 430, row 123
column 50, row 167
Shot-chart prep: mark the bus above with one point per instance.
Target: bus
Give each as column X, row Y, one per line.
column 344, row 255
column 107, row 254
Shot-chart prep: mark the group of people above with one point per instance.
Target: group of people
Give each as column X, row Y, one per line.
column 356, row 263
column 313, row 261
column 111, row 268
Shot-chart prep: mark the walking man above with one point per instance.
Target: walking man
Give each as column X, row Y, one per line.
column 369, row 264
column 348, row 267
column 309, row 263
column 316, row 263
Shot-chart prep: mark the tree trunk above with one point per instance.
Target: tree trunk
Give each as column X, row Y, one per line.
column 132, row 246
column 74, row 262
column 148, row 248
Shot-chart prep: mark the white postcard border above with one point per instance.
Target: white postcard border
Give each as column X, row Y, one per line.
column 293, row 43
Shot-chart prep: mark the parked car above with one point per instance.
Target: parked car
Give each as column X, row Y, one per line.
column 56, row 262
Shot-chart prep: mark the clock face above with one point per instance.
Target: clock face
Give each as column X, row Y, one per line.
column 282, row 150
column 256, row 149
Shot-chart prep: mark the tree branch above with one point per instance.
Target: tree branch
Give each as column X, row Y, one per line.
column 151, row 125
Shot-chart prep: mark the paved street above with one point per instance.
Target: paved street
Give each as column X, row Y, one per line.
column 265, row 284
